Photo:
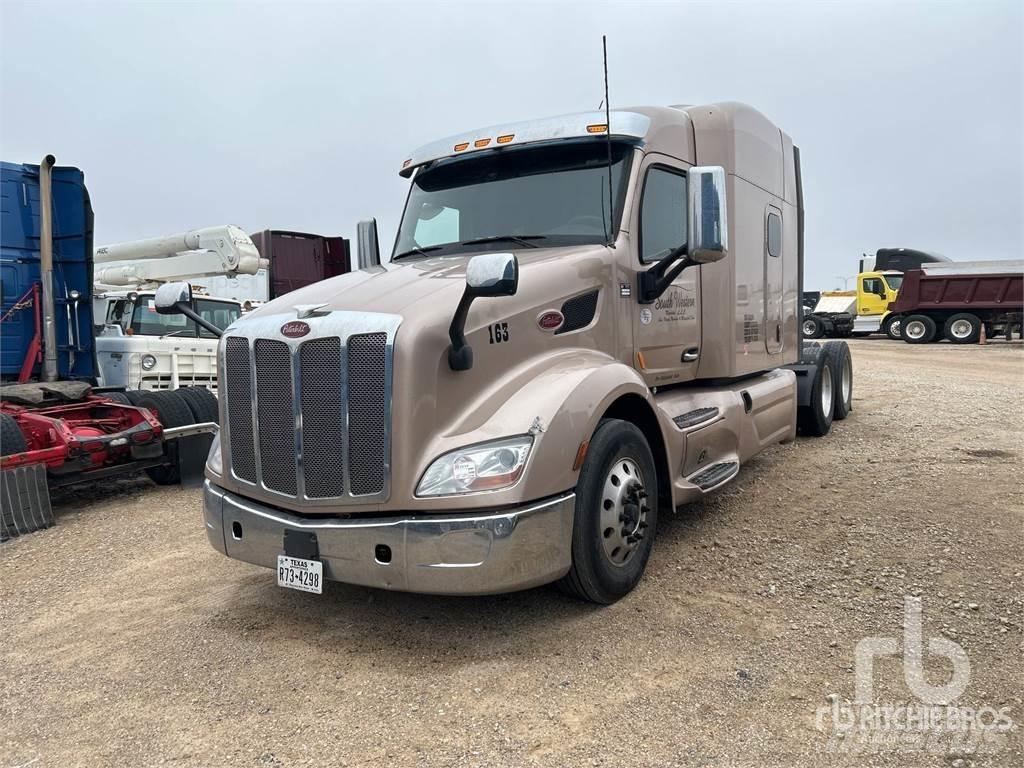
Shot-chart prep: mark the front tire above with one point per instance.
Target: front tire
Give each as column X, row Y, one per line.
column 892, row 327
column 616, row 514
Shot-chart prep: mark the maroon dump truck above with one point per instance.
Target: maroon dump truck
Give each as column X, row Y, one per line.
column 956, row 301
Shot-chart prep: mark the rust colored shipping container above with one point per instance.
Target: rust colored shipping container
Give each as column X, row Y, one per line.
column 298, row 259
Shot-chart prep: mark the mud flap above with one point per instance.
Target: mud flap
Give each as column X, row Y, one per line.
column 192, row 452
column 24, row 501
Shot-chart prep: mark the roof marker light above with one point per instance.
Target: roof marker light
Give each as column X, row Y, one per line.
column 461, row 146
column 481, row 143
column 597, row 128
column 506, row 138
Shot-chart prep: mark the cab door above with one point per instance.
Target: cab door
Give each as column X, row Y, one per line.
column 872, row 296
column 666, row 332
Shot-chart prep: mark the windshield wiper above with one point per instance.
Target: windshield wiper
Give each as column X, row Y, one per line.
column 521, row 239
column 174, row 333
column 415, row 251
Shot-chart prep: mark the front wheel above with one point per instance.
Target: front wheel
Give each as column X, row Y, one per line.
column 616, row 514
column 891, row 327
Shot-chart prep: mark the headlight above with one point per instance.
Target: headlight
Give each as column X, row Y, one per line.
column 214, row 461
column 483, row 467
column 148, row 361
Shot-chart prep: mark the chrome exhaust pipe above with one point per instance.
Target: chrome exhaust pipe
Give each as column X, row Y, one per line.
column 46, row 267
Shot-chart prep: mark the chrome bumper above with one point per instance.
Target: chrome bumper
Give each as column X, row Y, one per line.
column 453, row 554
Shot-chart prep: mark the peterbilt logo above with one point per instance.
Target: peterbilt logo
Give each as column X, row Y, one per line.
column 551, row 320
column 295, row 329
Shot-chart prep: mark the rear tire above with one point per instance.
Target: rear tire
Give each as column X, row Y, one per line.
column 117, row 397
column 891, row 327
column 201, row 402
column 842, row 378
column 813, row 327
column 134, row 395
column 918, row 329
column 815, row 418
column 963, row 328
column 171, row 410
column 613, row 505
column 11, row 439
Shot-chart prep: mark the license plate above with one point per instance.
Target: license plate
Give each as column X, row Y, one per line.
column 304, row 575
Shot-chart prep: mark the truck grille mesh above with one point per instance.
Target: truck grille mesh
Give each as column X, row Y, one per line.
column 275, row 413
column 366, row 412
column 338, row 419
column 323, row 425
column 239, row 395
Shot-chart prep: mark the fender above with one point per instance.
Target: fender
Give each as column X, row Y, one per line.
column 559, row 400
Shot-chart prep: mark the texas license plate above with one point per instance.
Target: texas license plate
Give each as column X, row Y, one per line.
column 304, row 575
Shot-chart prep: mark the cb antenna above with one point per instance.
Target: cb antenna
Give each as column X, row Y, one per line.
column 608, row 138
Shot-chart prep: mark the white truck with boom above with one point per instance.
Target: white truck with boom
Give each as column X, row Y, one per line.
column 136, row 347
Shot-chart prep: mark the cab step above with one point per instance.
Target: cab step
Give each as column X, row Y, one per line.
column 696, row 417
column 716, row 474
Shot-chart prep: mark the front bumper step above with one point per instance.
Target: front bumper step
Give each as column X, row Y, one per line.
column 446, row 553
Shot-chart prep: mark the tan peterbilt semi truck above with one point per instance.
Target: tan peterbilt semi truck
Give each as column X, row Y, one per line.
column 581, row 325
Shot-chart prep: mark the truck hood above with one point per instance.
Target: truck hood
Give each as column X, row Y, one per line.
column 430, row 288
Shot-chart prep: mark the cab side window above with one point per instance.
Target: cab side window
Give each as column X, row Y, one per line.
column 874, row 285
column 662, row 214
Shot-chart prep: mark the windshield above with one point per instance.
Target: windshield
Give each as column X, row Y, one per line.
column 894, row 281
column 146, row 321
column 550, row 195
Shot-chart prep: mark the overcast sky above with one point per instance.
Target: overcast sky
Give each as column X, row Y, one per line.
column 297, row 116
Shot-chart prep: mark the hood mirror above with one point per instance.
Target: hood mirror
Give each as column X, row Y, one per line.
column 169, row 295
column 487, row 275
column 493, row 274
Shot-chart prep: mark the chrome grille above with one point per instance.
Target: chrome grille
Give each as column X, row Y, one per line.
column 323, row 424
column 320, row 429
column 238, row 380
column 275, row 413
column 366, row 428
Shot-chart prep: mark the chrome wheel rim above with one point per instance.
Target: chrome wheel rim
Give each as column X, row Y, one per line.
column 826, row 390
column 623, row 511
column 808, row 328
column 894, row 329
column 846, row 380
column 961, row 329
column 914, row 329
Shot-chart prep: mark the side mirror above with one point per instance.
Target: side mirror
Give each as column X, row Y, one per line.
column 169, row 295
column 487, row 275
column 707, row 220
column 176, row 299
column 367, row 245
column 493, row 274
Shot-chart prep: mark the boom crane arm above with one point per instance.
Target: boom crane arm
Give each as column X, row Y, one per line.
column 224, row 250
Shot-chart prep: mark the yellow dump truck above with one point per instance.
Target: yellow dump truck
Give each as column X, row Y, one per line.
column 864, row 311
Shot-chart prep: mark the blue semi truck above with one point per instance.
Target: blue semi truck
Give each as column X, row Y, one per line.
column 56, row 428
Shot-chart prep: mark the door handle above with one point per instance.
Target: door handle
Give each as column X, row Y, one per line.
column 690, row 355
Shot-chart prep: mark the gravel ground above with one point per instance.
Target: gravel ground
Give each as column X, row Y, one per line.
column 126, row 640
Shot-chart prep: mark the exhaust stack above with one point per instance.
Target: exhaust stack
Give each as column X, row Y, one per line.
column 49, row 372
